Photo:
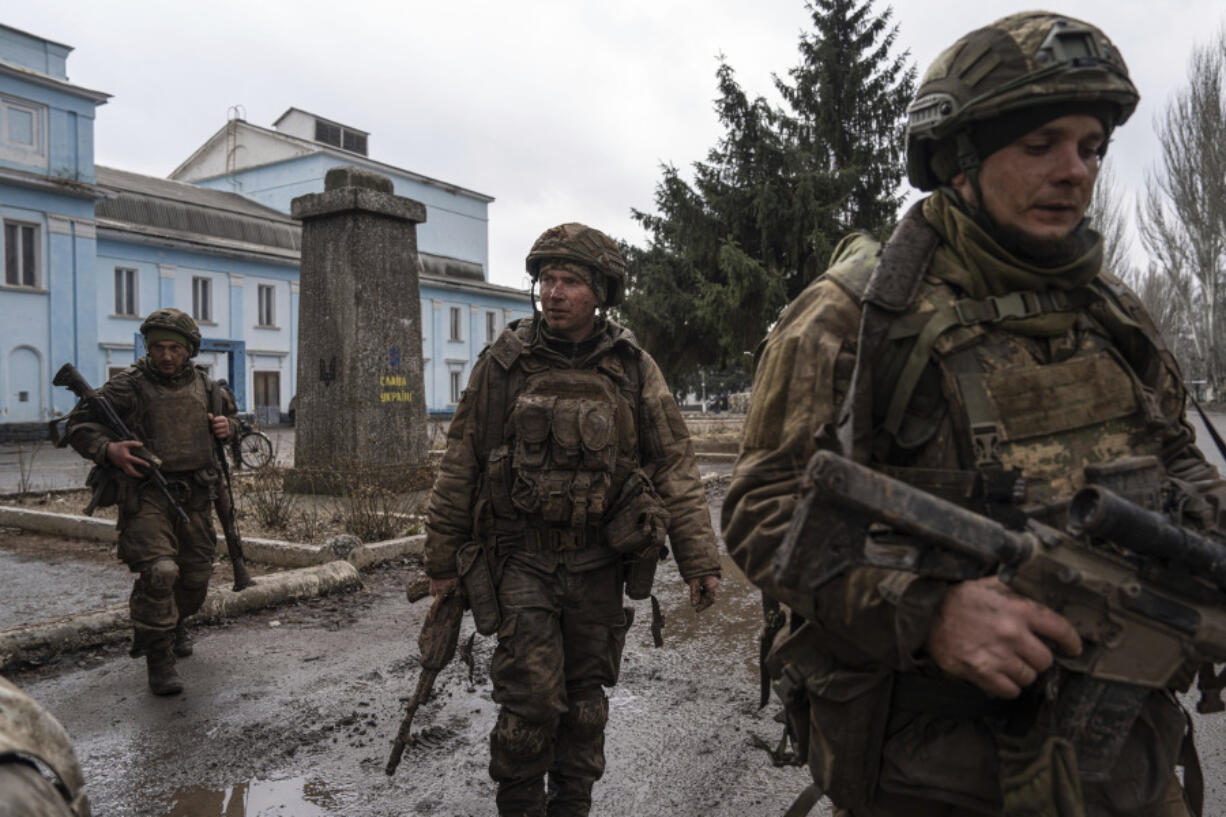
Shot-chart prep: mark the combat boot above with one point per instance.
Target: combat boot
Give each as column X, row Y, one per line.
column 163, row 677
column 183, row 641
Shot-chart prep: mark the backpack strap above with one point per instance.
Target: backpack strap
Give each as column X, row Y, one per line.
column 891, row 290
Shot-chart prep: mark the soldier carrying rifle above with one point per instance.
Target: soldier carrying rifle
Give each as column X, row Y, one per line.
column 166, row 533
column 982, row 355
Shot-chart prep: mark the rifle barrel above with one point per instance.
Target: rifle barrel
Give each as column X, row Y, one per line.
column 1100, row 512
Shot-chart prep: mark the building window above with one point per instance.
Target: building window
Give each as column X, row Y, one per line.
column 457, row 385
column 457, row 323
column 125, row 291
column 491, row 326
column 22, row 133
column 268, row 312
column 202, row 299
column 21, row 254
column 111, row 371
column 329, row 133
column 355, row 142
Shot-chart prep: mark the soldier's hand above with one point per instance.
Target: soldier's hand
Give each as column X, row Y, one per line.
column 994, row 638
column 702, row 592
column 441, row 587
column 220, row 426
column 120, row 455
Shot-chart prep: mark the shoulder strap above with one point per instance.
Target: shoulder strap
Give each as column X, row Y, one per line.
column 496, row 382
column 891, row 289
column 929, row 326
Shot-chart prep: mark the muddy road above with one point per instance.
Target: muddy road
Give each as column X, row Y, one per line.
column 292, row 712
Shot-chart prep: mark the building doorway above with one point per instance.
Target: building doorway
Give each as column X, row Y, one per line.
column 267, row 397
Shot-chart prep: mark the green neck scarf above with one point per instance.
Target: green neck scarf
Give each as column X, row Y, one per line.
column 973, row 261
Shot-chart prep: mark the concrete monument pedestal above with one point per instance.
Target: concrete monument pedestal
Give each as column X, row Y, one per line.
column 361, row 414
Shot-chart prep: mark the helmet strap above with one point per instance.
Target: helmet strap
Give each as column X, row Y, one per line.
column 968, row 163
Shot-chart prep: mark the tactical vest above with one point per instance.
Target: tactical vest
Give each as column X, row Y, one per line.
column 174, row 423
column 564, row 436
column 561, row 442
column 1019, row 424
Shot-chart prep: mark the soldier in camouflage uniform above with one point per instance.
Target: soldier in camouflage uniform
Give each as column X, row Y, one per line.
column 39, row 774
column 165, row 402
column 567, row 461
column 1009, row 360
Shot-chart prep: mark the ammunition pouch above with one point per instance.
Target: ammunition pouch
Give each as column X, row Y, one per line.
column 637, row 528
column 480, row 587
column 838, row 717
column 105, row 487
column 1038, row 776
column 641, row 572
column 639, row 521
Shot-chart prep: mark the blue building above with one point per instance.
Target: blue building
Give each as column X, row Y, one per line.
column 89, row 251
column 48, row 295
column 461, row 311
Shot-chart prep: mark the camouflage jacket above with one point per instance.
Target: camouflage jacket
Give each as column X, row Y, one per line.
column 872, row 622
column 663, row 448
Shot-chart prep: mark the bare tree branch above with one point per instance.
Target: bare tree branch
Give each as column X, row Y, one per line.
column 1182, row 216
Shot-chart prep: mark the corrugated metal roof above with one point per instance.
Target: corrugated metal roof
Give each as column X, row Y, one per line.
column 156, row 203
column 180, row 211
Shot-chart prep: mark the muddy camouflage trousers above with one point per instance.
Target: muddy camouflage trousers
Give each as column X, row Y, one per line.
column 174, row 560
column 559, row 645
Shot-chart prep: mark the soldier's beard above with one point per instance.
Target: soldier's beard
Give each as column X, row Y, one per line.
column 1044, row 252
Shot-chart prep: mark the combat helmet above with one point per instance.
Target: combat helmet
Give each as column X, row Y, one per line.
column 29, row 732
column 1024, row 70
column 586, row 245
column 177, row 321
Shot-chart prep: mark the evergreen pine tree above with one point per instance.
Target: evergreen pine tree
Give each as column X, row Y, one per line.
column 775, row 194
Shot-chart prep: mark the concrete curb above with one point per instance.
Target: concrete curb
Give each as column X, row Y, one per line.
column 262, row 551
column 81, row 630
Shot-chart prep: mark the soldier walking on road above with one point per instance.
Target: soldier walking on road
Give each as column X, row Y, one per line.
column 1004, row 362
column 567, row 463
column 165, row 401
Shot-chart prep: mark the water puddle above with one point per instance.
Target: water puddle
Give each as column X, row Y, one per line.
column 294, row 797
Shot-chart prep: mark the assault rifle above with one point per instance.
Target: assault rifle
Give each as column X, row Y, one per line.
column 224, row 504
column 75, row 382
column 1147, row 596
column 440, row 633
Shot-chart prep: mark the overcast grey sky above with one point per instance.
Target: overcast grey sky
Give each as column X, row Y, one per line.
column 563, row 111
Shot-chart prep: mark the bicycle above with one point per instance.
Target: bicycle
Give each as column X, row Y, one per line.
column 251, row 448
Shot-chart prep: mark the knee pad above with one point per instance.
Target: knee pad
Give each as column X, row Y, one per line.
column 195, row 577
column 189, row 599
column 587, row 713
column 520, row 748
column 158, row 579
